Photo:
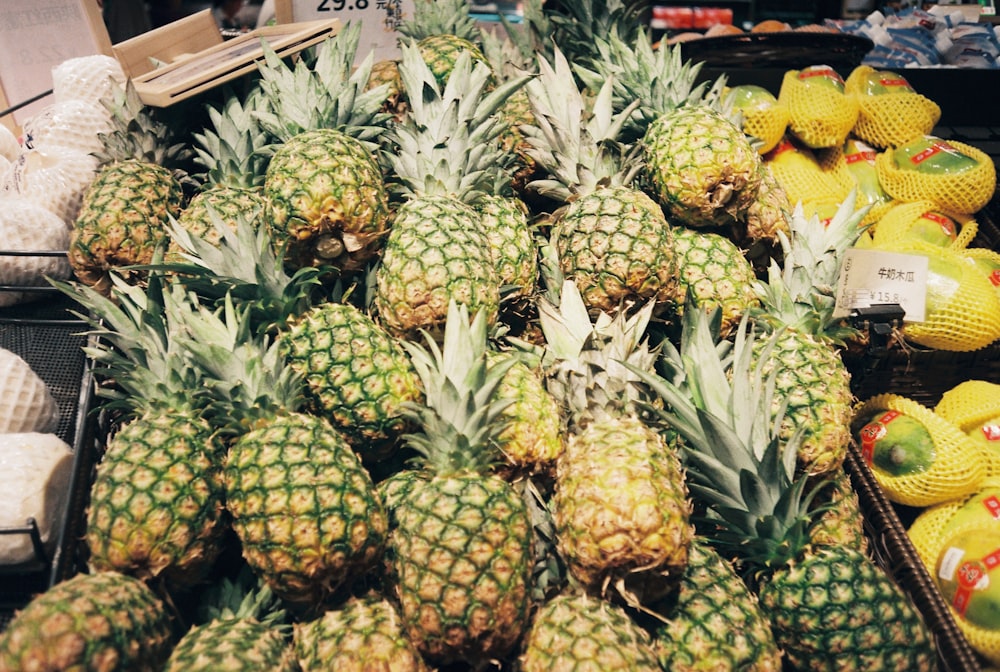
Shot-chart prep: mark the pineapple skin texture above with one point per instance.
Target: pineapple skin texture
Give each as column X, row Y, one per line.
column 356, row 374
column 581, row 633
column 514, row 253
column 617, row 246
column 122, row 219
column 621, row 508
column 813, row 378
column 326, row 200
column 461, row 559
column 835, row 610
column 701, row 166
column 304, row 508
column 365, row 633
column 102, row 622
column 435, row 252
column 232, row 645
column 156, row 504
column 717, row 273
column 715, row 621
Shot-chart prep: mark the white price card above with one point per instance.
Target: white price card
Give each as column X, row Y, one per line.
column 379, row 19
column 869, row 277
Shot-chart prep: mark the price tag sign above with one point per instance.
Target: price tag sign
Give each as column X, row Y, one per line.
column 37, row 36
column 379, row 19
column 869, row 277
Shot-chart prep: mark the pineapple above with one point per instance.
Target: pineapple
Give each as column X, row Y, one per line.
column 579, row 27
column 612, row 240
column 839, row 520
column 234, row 167
column 240, row 628
column 461, row 545
column 364, row 633
column 798, row 301
column 302, row 505
column 356, row 374
column 442, row 30
column 830, row 607
column 714, row 621
column 326, row 201
column 713, row 271
column 156, row 502
column 105, row 621
column 445, row 162
column 126, row 207
column 620, row 507
column 702, row 167
column 583, row 633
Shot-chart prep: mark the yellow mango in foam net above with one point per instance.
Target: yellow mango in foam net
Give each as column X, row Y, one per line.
column 958, row 466
column 852, row 164
column 820, row 113
column 987, row 435
column 964, row 192
column 970, row 403
column 962, row 310
column 930, row 534
column 800, row 174
column 988, row 262
column 764, row 118
column 923, row 220
column 890, row 112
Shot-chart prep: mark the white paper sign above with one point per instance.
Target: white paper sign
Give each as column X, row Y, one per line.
column 35, row 37
column 869, row 277
column 379, row 20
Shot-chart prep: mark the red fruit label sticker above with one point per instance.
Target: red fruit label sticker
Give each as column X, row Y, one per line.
column 863, row 155
column 969, row 575
column 934, row 148
column 829, row 73
column 890, row 82
column 946, row 223
column 872, row 432
column 995, row 278
column 991, row 432
column 784, row 145
column 992, row 505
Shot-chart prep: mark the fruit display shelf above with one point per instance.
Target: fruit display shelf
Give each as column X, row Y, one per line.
column 45, row 333
column 922, row 375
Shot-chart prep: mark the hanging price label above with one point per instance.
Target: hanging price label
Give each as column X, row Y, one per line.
column 870, row 277
column 379, row 19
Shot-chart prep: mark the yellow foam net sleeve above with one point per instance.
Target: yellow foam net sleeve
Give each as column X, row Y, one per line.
column 965, row 192
column 767, row 124
column 897, row 221
column 929, row 533
column 958, row 468
column 820, row 116
column 963, row 308
column 890, row 119
column 970, row 403
column 798, row 171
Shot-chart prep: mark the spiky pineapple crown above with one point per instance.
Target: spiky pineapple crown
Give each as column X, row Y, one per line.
column 448, row 143
column 247, row 265
column 440, row 17
column 577, row 26
column 577, row 144
column 243, row 596
column 248, row 378
column 587, row 361
column 801, row 291
column 229, row 150
column 136, row 133
column 322, row 90
column 661, row 80
column 461, row 418
column 515, row 49
column 738, row 468
column 137, row 346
